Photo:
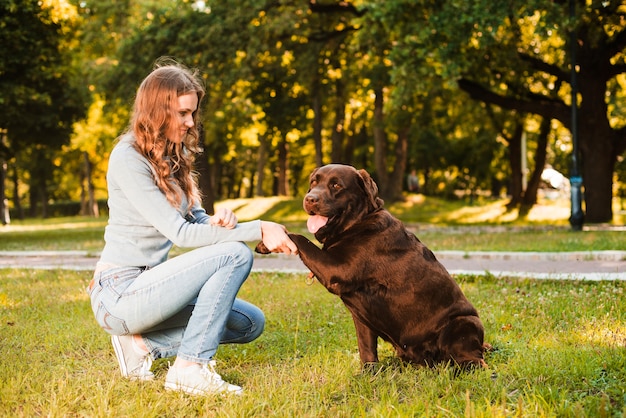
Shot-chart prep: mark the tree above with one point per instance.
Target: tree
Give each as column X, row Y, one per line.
column 368, row 83
column 517, row 58
column 40, row 92
column 87, row 154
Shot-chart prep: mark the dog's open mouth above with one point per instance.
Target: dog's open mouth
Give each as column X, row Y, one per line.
column 315, row 222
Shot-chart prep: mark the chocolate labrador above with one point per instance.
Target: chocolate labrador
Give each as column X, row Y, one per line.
column 392, row 284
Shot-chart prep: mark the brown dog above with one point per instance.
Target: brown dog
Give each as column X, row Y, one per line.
column 392, row 284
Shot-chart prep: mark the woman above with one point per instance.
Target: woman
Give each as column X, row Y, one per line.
column 155, row 307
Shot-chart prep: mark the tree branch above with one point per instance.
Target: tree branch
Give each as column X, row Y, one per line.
column 325, row 36
column 537, row 104
column 339, row 7
column 540, row 65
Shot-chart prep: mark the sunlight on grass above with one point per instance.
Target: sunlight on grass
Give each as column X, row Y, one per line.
column 612, row 337
column 6, row 302
column 428, row 209
column 553, row 212
column 247, row 209
column 550, row 211
column 479, row 214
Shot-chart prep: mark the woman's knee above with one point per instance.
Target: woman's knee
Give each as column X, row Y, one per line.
column 240, row 252
column 259, row 327
column 255, row 316
column 246, row 322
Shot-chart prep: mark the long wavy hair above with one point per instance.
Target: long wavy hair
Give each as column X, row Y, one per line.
column 154, row 115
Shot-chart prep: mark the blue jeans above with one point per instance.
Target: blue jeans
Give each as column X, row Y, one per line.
column 185, row 306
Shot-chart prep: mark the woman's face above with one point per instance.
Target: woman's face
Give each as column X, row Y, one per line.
column 187, row 106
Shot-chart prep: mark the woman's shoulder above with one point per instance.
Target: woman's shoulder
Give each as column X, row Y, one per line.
column 125, row 141
column 124, row 148
column 124, row 156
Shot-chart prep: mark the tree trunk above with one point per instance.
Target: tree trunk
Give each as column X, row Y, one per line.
column 360, row 138
column 598, row 165
column 260, row 167
column 396, row 181
column 380, row 142
column 317, row 126
column 283, row 175
column 40, row 172
column 83, row 192
column 515, row 161
column 599, row 144
column 338, row 135
column 5, row 218
column 93, row 203
column 88, row 204
column 348, row 151
column 17, row 204
column 38, row 196
column 530, row 194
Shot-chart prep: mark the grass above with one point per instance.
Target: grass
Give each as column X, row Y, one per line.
column 440, row 224
column 560, row 347
column 560, row 350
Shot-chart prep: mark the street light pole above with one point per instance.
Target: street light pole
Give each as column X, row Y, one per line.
column 576, row 180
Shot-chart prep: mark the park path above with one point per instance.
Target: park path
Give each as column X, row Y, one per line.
column 587, row 265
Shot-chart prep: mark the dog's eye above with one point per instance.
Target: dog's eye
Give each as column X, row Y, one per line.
column 335, row 186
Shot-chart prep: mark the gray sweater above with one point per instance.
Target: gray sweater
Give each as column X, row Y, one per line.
column 143, row 226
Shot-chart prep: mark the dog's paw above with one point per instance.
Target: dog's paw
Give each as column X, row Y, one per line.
column 262, row 249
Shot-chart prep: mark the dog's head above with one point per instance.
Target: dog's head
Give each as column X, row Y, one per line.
column 339, row 196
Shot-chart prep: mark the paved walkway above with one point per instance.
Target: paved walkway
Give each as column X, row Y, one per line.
column 591, row 265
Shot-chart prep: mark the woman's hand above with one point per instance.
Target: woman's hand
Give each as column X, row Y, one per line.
column 276, row 239
column 224, row 217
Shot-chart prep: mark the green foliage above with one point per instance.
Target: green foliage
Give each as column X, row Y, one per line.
column 40, row 96
column 291, row 84
column 41, row 93
column 558, row 351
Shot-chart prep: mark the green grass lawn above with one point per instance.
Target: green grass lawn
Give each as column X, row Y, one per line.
column 560, row 350
column 560, row 347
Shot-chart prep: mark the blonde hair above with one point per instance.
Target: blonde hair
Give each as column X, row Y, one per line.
column 154, row 112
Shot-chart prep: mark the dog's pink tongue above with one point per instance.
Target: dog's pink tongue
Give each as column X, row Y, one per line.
column 315, row 222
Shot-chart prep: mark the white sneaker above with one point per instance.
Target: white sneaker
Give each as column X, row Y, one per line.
column 199, row 380
column 133, row 365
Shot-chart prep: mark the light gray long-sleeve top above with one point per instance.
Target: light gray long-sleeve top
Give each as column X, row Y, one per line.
column 143, row 226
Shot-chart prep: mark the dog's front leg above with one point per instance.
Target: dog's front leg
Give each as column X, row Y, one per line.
column 323, row 265
column 367, row 341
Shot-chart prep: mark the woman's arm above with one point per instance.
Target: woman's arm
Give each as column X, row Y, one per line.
column 131, row 174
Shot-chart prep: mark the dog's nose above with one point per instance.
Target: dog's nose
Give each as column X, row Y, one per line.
column 311, row 198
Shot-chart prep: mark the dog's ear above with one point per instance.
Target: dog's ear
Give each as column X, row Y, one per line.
column 313, row 173
column 371, row 189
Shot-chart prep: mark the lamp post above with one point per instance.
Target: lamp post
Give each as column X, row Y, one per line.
column 576, row 180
